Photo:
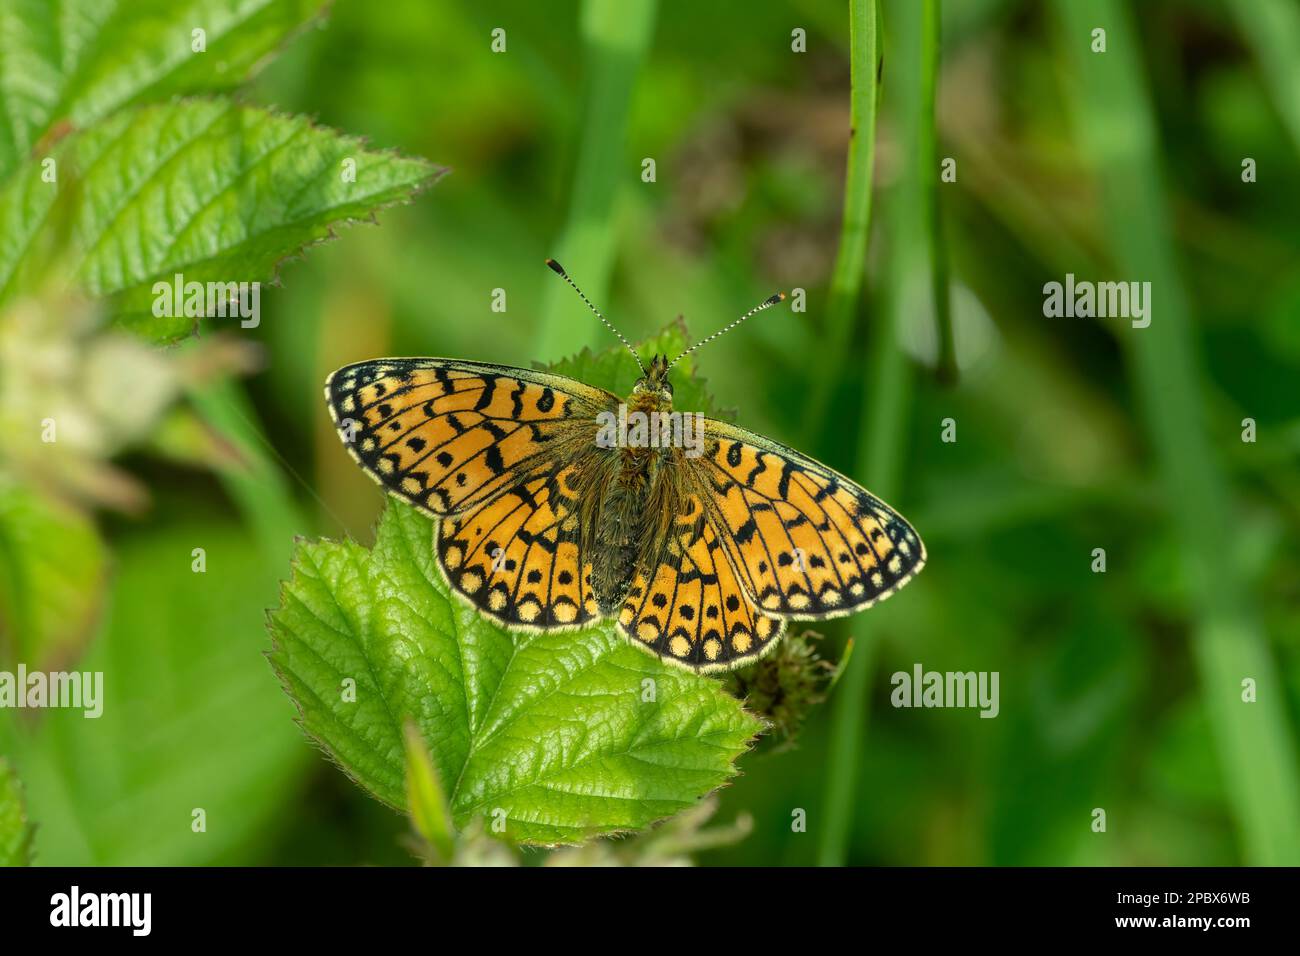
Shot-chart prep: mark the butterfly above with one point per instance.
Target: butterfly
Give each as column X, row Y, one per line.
column 559, row 504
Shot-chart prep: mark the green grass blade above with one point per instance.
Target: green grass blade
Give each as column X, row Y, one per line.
column 258, row 487
column 1273, row 29
column 849, row 708
column 1256, row 748
column 928, row 157
column 617, row 34
column 855, row 224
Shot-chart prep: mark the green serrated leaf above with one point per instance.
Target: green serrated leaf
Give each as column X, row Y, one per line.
column 558, row 736
column 615, row 370
column 15, row 831
column 212, row 190
column 75, row 62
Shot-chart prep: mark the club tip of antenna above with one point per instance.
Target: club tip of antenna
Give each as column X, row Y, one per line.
column 774, row 299
column 555, row 267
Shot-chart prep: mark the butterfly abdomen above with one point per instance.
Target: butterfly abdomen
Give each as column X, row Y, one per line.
column 619, row 528
column 616, row 535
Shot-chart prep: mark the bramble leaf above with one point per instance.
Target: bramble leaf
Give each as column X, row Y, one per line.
column 73, row 63
column 615, row 370
column 106, row 175
column 212, row 190
column 548, row 737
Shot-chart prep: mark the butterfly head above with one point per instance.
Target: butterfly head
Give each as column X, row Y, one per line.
column 653, row 388
column 654, row 384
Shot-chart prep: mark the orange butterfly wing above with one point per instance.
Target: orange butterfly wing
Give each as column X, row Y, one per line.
column 806, row 542
column 487, row 449
column 688, row 606
column 518, row 557
column 447, row 435
column 758, row 532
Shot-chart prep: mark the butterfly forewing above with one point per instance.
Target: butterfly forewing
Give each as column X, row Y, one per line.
column 447, row 435
column 492, row 451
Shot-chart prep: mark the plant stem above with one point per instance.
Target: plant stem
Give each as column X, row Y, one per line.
column 1255, row 746
column 616, row 34
column 259, row 489
column 928, row 157
column 848, row 708
column 851, row 259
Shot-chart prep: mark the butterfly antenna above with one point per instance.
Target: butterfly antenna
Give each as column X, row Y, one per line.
column 765, row 304
column 559, row 271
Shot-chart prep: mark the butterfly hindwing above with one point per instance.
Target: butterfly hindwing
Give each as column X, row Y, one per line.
column 806, row 542
column 688, row 606
column 447, row 435
column 518, row 557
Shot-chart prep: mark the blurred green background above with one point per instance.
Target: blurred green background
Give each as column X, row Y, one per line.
column 1119, row 690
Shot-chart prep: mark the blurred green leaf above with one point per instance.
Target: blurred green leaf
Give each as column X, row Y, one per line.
column 52, row 573
column 550, row 733
column 190, row 719
column 855, row 223
column 15, row 831
column 426, row 799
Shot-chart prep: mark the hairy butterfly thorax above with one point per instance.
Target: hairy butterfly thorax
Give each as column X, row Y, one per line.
column 558, row 504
